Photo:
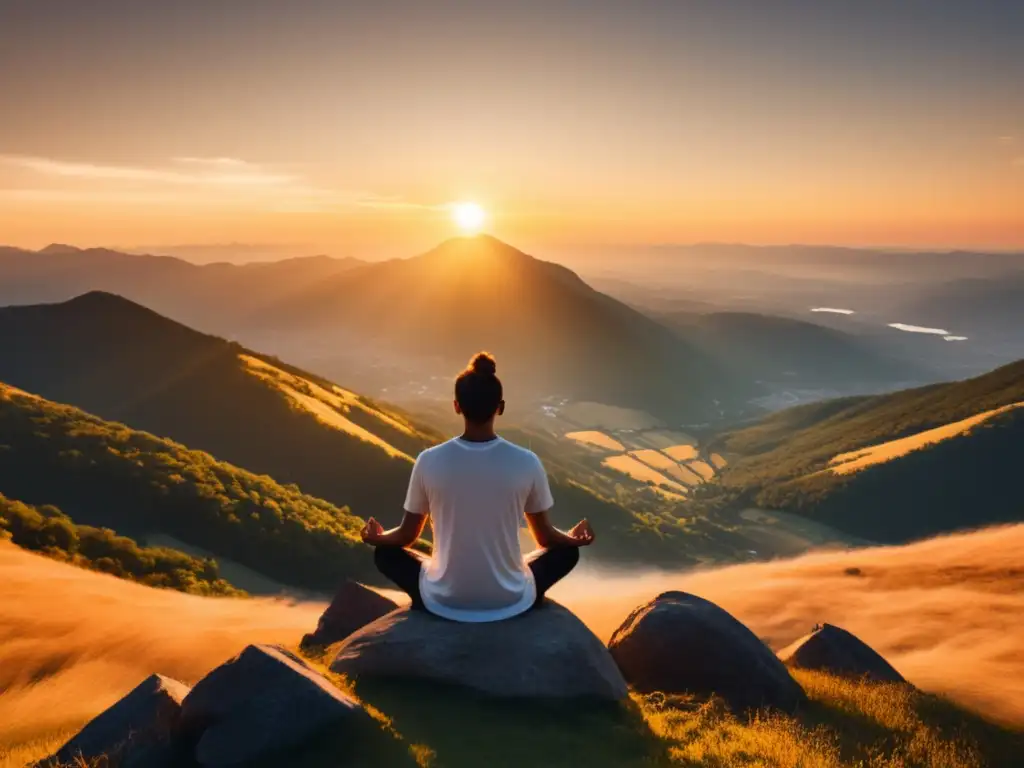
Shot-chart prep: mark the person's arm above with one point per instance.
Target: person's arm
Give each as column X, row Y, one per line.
column 538, row 503
column 548, row 536
column 404, row 535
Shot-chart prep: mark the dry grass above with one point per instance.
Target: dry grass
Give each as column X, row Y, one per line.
column 328, row 407
column 681, row 452
column 596, row 439
column 848, row 463
column 946, row 612
column 640, row 472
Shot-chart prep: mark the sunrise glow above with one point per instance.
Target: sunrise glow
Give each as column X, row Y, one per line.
column 468, row 217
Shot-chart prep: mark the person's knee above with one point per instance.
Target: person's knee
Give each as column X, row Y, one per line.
column 385, row 556
column 571, row 556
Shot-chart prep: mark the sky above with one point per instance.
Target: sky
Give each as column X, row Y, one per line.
column 351, row 127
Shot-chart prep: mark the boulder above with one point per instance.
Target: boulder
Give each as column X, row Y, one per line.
column 142, row 721
column 353, row 606
column 263, row 700
column 543, row 653
column 680, row 643
column 832, row 649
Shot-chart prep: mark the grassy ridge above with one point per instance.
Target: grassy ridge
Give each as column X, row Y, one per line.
column 103, row 473
column 47, row 530
column 962, row 482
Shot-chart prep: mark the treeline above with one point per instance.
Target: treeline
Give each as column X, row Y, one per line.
column 103, row 473
column 49, row 531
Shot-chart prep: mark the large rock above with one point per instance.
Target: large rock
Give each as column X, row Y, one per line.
column 142, row 721
column 263, row 700
column 543, row 653
column 680, row 643
column 832, row 649
column 353, row 606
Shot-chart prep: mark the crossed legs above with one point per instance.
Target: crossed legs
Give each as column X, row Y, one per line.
column 402, row 566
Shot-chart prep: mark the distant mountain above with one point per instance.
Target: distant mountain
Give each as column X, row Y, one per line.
column 552, row 333
column 123, row 362
column 784, row 351
column 890, row 467
column 209, row 296
column 102, row 473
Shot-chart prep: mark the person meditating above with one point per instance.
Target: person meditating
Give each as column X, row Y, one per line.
column 475, row 489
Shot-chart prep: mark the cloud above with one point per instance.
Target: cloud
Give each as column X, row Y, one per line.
column 1007, row 140
column 186, row 171
column 210, row 180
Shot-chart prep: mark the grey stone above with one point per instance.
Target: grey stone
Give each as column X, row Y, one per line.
column 680, row 643
column 353, row 606
column 829, row 648
column 262, row 701
column 145, row 718
column 543, row 653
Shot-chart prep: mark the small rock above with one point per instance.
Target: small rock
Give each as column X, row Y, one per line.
column 263, row 700
column 353, row 606
column 680, row 643
column 143, row 720
column 543, row 653
column 829, row 648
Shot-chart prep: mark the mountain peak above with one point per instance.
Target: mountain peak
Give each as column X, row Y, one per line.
column 476, row 246
column 55, row 249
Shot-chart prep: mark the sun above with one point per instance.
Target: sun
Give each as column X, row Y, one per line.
column 469, row 217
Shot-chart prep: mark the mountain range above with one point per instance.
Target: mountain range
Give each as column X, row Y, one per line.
column 127, row 364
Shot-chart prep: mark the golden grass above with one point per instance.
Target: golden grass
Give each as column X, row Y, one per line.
column 854, row 461
column 328, row 407
column 681, row 452
column 702, row 468
column 946, row 612
column 718, row 460
column 596, row 439
column 654, row 459
column 640, row 472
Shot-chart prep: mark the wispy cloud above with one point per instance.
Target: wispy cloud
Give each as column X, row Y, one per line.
column 211, row 179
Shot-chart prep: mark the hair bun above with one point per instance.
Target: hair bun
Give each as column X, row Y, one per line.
column 484, row 363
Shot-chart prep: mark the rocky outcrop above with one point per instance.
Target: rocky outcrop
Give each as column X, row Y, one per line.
column 829, row 648
column 262, row 701
column 543, row 653
column 354, row 606
column 680, row 643
column 143, row 722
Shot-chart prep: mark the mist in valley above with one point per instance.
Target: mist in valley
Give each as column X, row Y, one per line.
column 943, row 611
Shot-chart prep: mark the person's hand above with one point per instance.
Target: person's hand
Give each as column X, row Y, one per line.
column 372, row 532
column 582, row 534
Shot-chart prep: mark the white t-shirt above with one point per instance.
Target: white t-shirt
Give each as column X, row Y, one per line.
column 476, row 495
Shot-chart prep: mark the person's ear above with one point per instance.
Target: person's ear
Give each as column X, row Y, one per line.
column 501, row 408
column 458, row 408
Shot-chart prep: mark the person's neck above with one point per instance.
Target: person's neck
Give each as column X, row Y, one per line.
column 479, row 433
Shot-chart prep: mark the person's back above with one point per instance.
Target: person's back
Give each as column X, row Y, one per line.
column 476, row 494
column 476, row 489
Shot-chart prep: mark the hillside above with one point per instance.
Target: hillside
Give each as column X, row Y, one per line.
column 102, row 473
column 782, row 350
column 552, row 333
column 125, row 363
column 936, row 609
column 890, row 467
column 47, row 530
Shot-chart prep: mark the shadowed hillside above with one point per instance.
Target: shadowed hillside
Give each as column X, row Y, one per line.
column 787, row 351
column 552, row 333
column 891, row 467
column 102, row 473
column 121, row 361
